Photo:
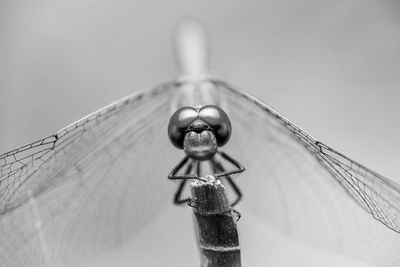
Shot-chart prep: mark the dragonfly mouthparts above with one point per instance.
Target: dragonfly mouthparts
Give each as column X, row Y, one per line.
column 200, row 145
column 198, row 126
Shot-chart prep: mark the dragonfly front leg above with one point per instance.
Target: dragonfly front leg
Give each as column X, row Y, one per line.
column 218, row 167
column 186, row 176
column 234, row 162
column 177, row 197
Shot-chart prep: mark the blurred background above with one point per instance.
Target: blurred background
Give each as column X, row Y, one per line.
column 329, row 66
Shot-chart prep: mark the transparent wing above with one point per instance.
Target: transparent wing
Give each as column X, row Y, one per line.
column 90, row 186
column 309, row 190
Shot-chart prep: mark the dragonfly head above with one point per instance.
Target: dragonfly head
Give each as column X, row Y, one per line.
column 199, row 131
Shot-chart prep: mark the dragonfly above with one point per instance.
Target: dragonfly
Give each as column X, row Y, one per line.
column 92, row 185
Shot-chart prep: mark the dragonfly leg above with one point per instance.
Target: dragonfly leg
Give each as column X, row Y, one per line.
column 234, row 162
column 187, row 176
column 235, row 189
column 177, row 198
column 218, row 167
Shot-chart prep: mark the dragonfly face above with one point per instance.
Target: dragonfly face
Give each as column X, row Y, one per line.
column 199, row 131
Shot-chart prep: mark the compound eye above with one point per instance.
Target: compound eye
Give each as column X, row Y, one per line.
column 219, row 121
column 179, row 123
